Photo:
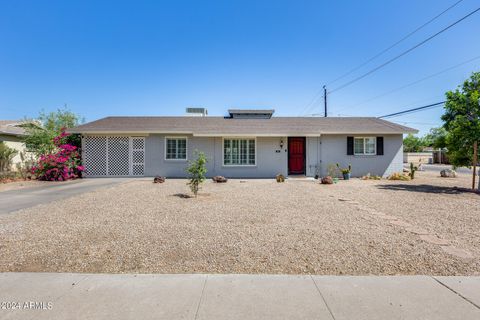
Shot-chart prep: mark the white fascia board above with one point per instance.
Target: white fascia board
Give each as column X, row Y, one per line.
column 361, row 133
column 138, row 133
column 146, row 133
column 289, row 134
column 239, row 135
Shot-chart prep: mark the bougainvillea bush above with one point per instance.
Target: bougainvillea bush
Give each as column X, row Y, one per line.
column 60, row 165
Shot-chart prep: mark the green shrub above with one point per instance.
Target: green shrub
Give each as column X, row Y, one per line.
column 6, row 156
column 399, row 176
column 332, row 170
column 370, row 177
column 24, row 168
column 197, row 170
column 345, row 170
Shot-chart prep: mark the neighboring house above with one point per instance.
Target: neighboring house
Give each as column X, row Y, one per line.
column 246, row 144
column 11, row 133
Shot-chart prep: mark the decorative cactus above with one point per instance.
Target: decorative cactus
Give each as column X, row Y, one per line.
column 412, row 170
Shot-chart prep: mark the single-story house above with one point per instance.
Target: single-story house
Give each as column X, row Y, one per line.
column 12, row 133
column 244, row 144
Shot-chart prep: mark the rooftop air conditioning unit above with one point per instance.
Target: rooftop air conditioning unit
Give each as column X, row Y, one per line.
column 199, row 112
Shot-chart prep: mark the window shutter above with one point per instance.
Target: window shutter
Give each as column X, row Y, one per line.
column 350, row 146
column 379, row 146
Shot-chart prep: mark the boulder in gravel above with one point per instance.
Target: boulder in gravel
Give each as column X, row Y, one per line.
column 159, row 179
column 327, row 180
column 219, row 179
column 448, row 173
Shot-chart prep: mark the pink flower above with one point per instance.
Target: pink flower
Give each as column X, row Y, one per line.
column 67, row 147
column 61, row 165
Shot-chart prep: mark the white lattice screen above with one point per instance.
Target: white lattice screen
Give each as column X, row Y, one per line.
column 94, row 156
column 138, row 156
column 114, row 156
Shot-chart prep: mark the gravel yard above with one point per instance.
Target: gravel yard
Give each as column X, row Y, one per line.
column 254, row 226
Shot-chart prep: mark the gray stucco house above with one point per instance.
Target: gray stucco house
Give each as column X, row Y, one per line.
column 245, row 144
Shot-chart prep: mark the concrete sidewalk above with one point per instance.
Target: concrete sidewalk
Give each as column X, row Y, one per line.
column 104, row 296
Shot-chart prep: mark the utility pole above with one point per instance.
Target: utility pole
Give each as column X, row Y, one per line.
column 325, row 99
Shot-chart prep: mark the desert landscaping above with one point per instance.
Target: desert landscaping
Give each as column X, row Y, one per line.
column 356, row 227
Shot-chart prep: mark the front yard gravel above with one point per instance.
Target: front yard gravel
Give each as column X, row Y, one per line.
column 250, row 226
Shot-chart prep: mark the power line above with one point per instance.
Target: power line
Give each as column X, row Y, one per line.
column 411, row 83
column 308, row 106
column 315, row 98
column 395, row 44
column 318, row 95
column 412, row 110
column 405, row 52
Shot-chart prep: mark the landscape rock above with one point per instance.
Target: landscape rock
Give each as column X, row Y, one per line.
column 219, row 179
column 159, row 179
column 327, row 180
column 448, row 173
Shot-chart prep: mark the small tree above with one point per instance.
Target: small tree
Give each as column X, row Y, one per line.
column 436, row 138
column 462, row 122
column 412, row 143
column 197, row 170
column 41, row 131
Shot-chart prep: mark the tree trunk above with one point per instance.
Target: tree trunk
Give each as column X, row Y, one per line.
column 478, row 182
column 475, row 146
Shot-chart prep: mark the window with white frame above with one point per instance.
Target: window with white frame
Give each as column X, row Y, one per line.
column 365, row 146
column 176, row 148
column 239, row 152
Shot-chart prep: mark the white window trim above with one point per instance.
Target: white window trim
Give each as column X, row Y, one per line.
column 165, row 148
column 238, row 138
column 365, row 146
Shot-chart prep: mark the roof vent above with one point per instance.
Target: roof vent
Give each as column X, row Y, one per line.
column 251, row 113
column 198, row 112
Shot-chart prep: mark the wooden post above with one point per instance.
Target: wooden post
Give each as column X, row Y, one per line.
column 475, row 146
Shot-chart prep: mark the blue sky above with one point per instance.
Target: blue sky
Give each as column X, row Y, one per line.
column 156, row 57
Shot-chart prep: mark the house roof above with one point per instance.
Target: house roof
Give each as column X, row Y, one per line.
column 220, row 126
column 11, row 128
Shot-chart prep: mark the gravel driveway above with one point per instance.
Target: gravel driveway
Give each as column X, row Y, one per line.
column 252, row 226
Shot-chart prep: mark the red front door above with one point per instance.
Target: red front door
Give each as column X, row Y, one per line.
column 296, row 155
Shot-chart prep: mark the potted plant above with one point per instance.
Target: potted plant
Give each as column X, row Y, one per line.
column 345, row 171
